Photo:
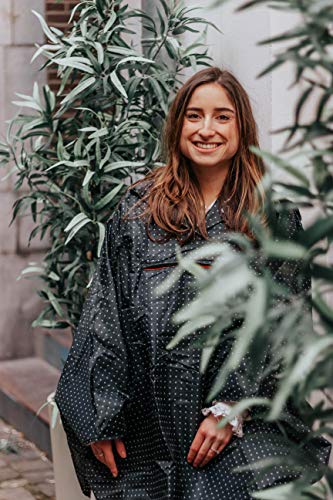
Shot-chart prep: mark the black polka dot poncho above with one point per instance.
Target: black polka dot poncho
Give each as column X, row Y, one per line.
column 119, row 380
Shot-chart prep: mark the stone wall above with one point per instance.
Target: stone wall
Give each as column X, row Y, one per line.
column 19, row 31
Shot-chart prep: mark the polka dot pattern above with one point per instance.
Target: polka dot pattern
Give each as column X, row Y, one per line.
column 120, row 380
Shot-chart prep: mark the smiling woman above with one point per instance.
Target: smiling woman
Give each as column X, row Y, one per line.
column 134, row 410
column 209, row 130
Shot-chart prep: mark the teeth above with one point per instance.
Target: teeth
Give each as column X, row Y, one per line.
column 207, row 146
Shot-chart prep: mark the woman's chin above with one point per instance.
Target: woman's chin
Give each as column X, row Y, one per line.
column 208, row 162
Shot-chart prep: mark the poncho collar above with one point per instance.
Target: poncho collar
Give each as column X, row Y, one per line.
column 213, row 215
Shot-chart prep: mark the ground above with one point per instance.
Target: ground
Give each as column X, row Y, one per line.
column 25, row 472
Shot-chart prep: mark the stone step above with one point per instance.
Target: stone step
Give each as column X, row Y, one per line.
column 25, row 384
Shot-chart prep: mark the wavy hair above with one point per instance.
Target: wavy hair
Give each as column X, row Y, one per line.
column 174, row 200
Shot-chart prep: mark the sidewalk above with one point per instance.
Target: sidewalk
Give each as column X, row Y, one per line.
column 25, row 472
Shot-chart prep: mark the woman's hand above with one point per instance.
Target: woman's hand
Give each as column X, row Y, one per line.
column 104, row 451
column 209, row 441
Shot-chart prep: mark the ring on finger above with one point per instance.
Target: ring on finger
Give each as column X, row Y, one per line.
column 215, row 450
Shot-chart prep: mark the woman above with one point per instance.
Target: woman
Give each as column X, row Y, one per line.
column 133, row 410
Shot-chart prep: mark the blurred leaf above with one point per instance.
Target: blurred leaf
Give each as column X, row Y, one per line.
column 79, row 89
column 117, row 83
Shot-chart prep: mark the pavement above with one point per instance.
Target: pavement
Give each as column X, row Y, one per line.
column 25, row 472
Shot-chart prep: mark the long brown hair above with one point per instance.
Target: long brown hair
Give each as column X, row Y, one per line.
column 174, row 200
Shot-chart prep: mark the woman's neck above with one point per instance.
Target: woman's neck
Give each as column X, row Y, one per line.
column 210, row 181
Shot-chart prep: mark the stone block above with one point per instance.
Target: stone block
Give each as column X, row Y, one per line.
column 31, row 465
column 8, row 235
column 135, row 25
column 2, row 91
column 6, row 182
column 48, row 489
column 26, row 28
column 24, row 451
column 14, row 483
column 6, row 19
column 8, row 473
column 19, row 306
column 37, row 477
column 15, row 494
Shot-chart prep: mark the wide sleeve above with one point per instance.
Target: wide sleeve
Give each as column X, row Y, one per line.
column 92, row 391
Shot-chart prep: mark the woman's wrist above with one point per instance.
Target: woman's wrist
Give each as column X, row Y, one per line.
column 221, row 409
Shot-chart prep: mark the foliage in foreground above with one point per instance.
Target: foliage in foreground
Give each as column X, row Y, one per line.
column 301, row 359
column 74, row 152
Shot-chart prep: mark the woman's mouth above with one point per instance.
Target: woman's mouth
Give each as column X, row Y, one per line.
column 207, row 146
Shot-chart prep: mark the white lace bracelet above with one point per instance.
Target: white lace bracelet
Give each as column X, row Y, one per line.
column 219, row 409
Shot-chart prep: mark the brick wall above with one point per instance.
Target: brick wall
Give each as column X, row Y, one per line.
column 57, row 14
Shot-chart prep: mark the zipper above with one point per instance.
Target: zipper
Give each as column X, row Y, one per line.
column 158, row 267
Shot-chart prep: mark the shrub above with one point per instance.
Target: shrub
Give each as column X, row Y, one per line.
column 77, row 150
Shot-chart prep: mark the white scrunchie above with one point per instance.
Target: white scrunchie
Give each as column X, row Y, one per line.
column 219, row 409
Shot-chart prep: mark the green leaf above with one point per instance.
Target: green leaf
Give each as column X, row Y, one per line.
column 76, row 220
column 117, row 83
column 322, row 272
column 157, row 89
column 100, row 52
column 323, row 308
column 54, row 302
column 284, row 250
column 320, row 229
column 101, row 229
column 75, row 62
column 135, row 59
column 45, row 28
column 122, row 51
column 46, row 48
column 53, row 276
column 189, row 328
column 109, row 197
column 282, row 163
column 50, row 324
column 87, row 177
column 28, row 104
column 110, row 22
column 302, row 367
column 79, row 89
column 282, row 492
column 99, row 133
column 116, row 165
column 76, row 229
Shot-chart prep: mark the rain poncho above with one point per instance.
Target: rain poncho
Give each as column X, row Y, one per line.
column 119, row 380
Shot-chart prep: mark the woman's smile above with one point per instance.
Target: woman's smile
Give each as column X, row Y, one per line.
column 207, row 147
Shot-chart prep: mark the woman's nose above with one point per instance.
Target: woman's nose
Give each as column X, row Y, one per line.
column 207, row 130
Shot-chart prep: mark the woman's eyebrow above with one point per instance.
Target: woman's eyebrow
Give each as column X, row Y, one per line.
column 215, row 109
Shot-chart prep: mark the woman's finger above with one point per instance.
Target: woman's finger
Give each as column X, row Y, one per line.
column 195, row 446
column 109, row 458
column 98, row 452
column 120, row 447
column 215, row 448
column 204, row 448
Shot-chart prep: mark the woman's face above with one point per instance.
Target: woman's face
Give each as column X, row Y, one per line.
column 209, row 135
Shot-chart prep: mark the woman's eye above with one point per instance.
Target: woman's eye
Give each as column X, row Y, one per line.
column 223, row 117
column 193, row 116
